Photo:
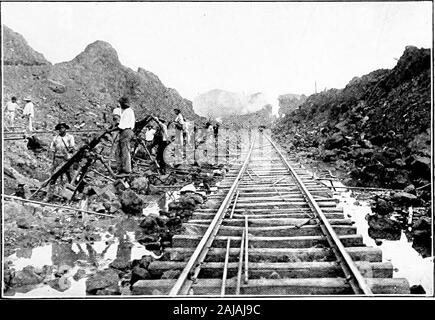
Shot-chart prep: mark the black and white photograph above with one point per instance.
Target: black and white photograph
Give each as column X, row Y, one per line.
column 220, row 150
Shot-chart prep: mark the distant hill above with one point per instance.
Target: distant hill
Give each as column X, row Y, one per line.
column 83, row 89
column 18, row 52
column 290, row 102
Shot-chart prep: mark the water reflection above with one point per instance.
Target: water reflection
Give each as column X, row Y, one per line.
column 118, row 248
column 409, row 259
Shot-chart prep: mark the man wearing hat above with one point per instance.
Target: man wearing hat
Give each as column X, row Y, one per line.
column 63, row 147
column 29, row 112
column 125, row 128
column 180, row 128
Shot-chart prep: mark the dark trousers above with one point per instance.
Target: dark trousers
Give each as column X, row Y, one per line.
column 123, row 151
column 161, row 146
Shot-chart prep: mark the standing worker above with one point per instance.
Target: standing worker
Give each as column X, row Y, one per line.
column 149, row 137
column 179, row 129
column 161, row 138
column 28, row 112
column 125, row 128
column 116, row 116
column 9, row 112
column 62, row 146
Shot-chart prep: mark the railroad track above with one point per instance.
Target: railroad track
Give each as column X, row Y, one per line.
column 275, row 231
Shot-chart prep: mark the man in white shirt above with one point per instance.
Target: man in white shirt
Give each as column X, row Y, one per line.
column 179, row 129
column 116, row 115
column 149, row 137
column 9, row 112
column 29, row 112
column 125, row 126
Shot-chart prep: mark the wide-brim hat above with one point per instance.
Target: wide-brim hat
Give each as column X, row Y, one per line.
column 62, row 124
column 28, row 98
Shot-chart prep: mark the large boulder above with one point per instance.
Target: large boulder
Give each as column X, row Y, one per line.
column 131, row 202
column 104, row 281
column 383, row 223
column 420, row 167
column 337, row 140
column 150, row 224
column 329, row 155
column 140, row 184
column 405, row 198
column 139, row 273
column 382, row 207
column 27, row 276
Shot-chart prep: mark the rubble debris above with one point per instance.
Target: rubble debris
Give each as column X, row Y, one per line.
column 80, row 274
column 140, row 185
column 131, row 203
column 27, row 276
column 103, row 282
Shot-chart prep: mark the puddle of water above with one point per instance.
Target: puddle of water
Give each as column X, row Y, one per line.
column 407, row 262
column 78, row 255
column 119, row 243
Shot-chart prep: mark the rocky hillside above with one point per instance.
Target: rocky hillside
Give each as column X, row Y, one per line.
column 18, row 52
column 377, row 128
column 83, row 89
column 221, row 103
column 290, row 102
column 80, row 92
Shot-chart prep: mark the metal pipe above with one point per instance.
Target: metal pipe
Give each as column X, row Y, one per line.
column 206, row 241
column 234, row 205
column 224, row 276
column 351, row 272
column 55, row 205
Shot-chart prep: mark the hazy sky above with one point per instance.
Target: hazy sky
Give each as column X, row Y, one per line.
column 275, row 48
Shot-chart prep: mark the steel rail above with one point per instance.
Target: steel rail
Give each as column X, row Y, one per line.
column 183, row 283
column 235, row 203
column 225, row 272
column 240, row 265
column 246, row 249
column 352, row 274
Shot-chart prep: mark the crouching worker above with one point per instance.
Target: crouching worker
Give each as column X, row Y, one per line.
column 125, row 128
column 62, row 147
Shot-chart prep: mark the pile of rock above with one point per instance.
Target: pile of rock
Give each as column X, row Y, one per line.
column 377, row 127
column 397, row 211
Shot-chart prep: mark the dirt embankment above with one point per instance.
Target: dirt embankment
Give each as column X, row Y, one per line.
column 377, row 131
